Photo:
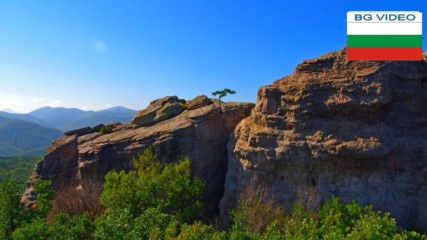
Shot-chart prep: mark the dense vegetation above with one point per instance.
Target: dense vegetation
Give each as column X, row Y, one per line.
column 163, row 201
column 18, row 168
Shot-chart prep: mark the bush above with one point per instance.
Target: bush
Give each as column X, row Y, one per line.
column 183, row 105
column 255, row 210
column 106, row 129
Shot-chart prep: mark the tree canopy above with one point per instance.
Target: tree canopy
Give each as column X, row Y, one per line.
column 163, row 201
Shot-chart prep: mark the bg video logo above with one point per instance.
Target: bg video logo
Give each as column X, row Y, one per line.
column 384, row 35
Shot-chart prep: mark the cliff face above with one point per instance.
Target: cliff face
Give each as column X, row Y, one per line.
column 78, row 162
column 351, row 129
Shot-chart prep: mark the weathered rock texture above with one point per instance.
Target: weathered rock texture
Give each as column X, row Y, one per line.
column 77, row 163
column 351, row 129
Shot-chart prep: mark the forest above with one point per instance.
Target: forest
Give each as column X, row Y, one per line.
column 17, row 168
column 164, row 201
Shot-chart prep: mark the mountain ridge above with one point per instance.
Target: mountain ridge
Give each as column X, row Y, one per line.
column 50, row 119
column 22, row 138
column 66, row 119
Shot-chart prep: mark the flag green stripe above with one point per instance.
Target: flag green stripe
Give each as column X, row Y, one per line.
column 384, row 41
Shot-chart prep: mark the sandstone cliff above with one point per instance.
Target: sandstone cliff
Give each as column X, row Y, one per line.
column 78, row 162
column 351, row 129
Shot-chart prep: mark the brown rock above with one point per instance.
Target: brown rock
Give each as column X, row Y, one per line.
column 198, row 102
column 77, row 164
column 79, row 132
column 350, row 129
column 158, row 110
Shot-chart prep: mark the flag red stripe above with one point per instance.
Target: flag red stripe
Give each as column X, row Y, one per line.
column 411, row 54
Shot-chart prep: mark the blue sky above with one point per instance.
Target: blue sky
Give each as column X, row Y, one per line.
column 97, row 54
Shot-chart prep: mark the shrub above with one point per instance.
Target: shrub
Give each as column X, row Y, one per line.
column 183, row 105
column 255, row 210
column 106, row 129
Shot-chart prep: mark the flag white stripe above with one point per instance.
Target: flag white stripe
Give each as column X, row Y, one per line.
column 384, row 28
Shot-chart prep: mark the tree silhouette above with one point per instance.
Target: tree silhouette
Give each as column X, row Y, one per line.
column 223, row 93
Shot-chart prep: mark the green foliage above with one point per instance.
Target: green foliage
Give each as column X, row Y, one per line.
column 76, row 227
column 335, row 220
column 352, row 221
column 299, row 224
column 44, row 194
column 114, row 226
column 37, row 229
column 18, row 168
column 152, row 224
column 29, row 224
column 196, row 231
column 223, row 93
column 183, row 105
column 150, row 201
column 152, row 184
column 63, row 228
column 162, row 201
column 10, row 210
column 106, row 130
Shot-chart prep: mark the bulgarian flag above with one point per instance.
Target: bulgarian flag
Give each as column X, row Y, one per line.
column 384, row 35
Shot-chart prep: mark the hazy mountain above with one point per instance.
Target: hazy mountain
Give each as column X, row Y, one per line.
column 30, row 134
column 118, row 110
column 24, row 117
column 71, row 118
column 59, row 117
column 19, row 137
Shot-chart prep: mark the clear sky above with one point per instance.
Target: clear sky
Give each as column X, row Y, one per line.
column 96, row 54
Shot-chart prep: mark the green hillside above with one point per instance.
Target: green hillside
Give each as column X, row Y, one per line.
column 22, row 138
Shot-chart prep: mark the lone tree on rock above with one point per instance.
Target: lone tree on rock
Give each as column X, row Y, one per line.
column 223, row 93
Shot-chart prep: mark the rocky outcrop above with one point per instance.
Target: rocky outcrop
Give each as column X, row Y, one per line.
column 351, row 129
column 80, row 131
column 158, row 111
column 77, row 163
column 198, row 102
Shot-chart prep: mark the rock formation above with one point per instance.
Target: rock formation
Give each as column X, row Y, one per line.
column 351, row 129
column 174, row 128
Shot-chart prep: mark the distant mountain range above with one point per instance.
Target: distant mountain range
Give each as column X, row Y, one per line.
column 31, row 133
column 66, row 119
column 19, row 137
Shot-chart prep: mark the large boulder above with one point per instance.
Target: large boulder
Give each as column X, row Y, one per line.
column 198, row 102
column 159, row 110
